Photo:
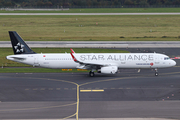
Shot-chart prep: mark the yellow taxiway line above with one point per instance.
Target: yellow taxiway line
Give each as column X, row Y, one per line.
column 92, row 90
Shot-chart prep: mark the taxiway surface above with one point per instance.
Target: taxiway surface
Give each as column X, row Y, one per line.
column 126, row 94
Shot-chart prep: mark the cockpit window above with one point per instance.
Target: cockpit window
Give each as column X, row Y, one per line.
column 166, row 58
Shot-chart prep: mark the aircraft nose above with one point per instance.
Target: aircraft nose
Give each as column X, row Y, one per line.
column 173, row 63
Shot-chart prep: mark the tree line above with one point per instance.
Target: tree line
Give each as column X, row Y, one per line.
column 88, row 3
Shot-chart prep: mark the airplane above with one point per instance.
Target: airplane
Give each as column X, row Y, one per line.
column 107, row 63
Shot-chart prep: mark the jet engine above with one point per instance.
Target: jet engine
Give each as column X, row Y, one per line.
column 109, row 70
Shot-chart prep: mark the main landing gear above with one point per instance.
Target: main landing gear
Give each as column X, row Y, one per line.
column 156, row 72
column 91, row 74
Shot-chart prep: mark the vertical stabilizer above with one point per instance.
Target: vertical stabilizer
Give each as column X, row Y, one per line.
column 18, row 44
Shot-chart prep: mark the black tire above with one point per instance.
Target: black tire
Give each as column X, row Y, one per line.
column 91, row 74
column 156, row 74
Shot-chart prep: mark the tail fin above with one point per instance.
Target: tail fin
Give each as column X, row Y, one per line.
column 18, row 44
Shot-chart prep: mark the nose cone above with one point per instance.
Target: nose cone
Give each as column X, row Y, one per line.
column 173, row 63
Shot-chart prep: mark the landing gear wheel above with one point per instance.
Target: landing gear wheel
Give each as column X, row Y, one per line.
column 91, row 74
column 156, row 74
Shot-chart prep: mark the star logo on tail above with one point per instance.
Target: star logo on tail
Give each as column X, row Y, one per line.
column 19, row 48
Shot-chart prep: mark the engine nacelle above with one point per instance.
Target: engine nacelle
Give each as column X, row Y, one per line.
column 109, row 70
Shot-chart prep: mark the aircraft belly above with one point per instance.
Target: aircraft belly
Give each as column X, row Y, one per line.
column 67, row 65
column 58, row 64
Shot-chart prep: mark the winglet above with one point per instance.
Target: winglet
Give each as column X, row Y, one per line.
column 75, row 60
column 72, row 50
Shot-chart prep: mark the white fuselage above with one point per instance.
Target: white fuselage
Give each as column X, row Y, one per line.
column 121, row 60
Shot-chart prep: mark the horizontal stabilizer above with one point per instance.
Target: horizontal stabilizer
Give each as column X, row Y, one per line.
column 15, row 57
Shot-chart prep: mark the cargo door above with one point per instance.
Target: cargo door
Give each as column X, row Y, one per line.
column 36, row 62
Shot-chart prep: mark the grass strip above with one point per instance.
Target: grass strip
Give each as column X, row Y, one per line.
column 92, row 28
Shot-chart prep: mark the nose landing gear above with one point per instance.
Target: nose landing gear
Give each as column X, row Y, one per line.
column 156, row 72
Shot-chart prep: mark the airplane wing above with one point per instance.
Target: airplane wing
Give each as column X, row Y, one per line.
column 90, row 65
